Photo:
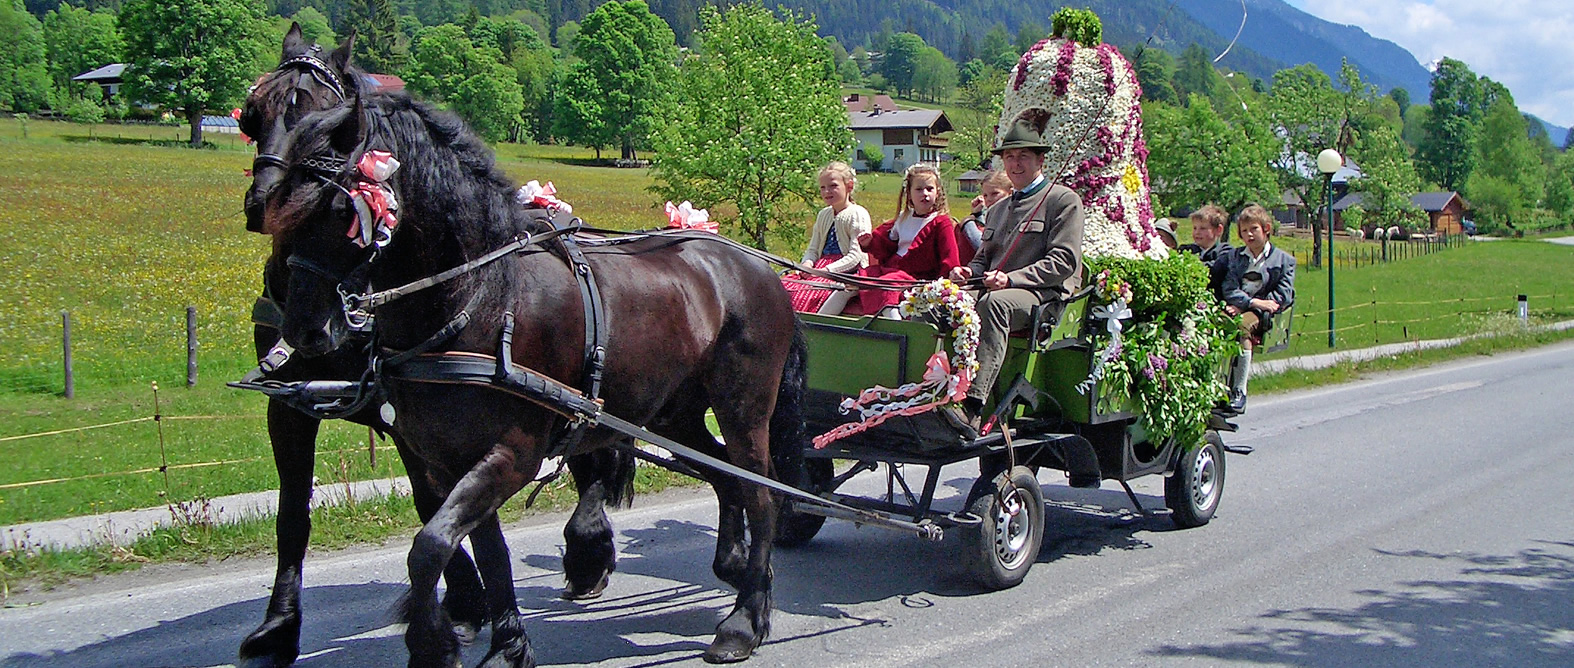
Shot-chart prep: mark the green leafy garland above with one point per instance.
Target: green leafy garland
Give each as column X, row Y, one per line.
column 1172, row 349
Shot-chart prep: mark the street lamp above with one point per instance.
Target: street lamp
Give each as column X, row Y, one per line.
column 1328, row 162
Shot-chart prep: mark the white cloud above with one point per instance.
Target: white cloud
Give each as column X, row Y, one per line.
column 1523, row 44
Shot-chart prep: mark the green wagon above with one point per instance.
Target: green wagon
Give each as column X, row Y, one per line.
column 1048, row 423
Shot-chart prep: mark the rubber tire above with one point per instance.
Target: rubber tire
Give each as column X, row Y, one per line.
column 1024, row 537
column 1194, row 491
column 794, row 528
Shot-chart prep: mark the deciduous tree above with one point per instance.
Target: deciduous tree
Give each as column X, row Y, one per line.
column 1388, row 178
column 900, row 62
column 77, row 41
column 1446, row 155
column 1197, row 158
column 758, row 113
column 24, row 78
column 192, row 54
column 1508, row 178
column 622, row 82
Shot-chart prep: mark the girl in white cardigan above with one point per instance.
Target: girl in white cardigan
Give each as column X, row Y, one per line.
column 833, row 241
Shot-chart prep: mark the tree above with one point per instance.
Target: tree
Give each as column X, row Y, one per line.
column 901, row 61
column 758, row 113
column 1560, row 187
column 1031, row 32
column 1507, row 171
column 78, row 41
column 622, row 83
column 934, row 77
column 1155, row 72
column 473, row 81
column 980, row 102
column 490, row 101
column 315, row 27
column 1446, row 154
column 1400, row 97
column 997, row 49
column 849, row 73
column 24, row 78
column 1196, row 158
column 194, row 54
column 1305, row 109
column 1388, row 178
column 378, row 44
column 1196, row 75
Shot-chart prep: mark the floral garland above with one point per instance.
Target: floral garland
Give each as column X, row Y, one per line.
column 1169, row 356
column 945, row 380
column 1095, row 139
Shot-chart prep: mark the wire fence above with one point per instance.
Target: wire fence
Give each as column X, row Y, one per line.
column 1380, row 321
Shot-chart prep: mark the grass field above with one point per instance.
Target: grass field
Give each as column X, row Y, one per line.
column 125, row 236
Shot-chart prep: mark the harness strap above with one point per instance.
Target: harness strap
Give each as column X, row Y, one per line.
column 372, row 301
column 444, row 335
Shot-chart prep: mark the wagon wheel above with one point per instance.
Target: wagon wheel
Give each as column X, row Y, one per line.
column 1000, row 550
column 1193, row 492
column 794, row 528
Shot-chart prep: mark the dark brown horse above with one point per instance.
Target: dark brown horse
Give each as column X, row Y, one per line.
column 693, row 326
column 307, row 80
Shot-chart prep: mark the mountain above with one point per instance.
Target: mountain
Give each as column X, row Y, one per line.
column 1289, row 35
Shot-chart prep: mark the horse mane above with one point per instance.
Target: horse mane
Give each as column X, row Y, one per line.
column 452, row 169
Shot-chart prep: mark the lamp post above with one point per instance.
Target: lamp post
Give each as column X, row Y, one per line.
column 1328, row 162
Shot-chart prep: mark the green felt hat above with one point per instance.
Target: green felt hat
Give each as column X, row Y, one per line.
column 1023, row 133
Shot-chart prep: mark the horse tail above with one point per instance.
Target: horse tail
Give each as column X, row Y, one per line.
column 787, row 422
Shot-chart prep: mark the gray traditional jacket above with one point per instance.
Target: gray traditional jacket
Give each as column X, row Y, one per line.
column 1036, row 241
column 1277, row 281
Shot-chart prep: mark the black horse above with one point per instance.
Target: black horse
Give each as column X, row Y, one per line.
column 693, row 325
column 309, row 80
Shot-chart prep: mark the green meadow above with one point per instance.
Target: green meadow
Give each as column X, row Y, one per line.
column 125, row 235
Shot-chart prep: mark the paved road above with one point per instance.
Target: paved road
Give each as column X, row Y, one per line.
column 1420, row 519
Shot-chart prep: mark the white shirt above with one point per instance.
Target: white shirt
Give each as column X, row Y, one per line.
column 907, row 229
column 1251, row 286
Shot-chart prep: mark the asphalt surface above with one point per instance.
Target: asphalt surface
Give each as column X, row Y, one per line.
column 1417, row 519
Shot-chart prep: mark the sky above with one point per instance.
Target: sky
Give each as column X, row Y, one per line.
column 1527, row 45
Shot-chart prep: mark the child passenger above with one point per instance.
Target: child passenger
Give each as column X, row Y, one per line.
column 970, row 233
column 1260, row 283
column 833, row 241
column 919, row 244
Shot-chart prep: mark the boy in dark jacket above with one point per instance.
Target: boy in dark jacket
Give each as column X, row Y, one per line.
column 1259, row 284
column 1209, row 226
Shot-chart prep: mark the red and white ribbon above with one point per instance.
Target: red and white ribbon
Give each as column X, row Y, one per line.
column 376, row 209
column 544, row 196
column 685, row 217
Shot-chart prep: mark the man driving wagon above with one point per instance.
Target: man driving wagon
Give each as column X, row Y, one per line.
column 1031, row 255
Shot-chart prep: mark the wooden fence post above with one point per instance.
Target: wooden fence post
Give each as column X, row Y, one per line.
column 191, row 346
column 65, row 344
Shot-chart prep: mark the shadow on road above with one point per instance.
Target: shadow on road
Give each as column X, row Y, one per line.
column 673, row 610
column 1502, row 610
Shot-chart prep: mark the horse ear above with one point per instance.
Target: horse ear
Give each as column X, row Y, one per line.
column 348, row 134
column 294, row 42
column 340, row 58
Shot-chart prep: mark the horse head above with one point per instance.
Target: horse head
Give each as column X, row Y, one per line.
column 306, row 80
column 309, row 210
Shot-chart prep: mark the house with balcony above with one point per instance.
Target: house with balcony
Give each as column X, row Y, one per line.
column 900, row 137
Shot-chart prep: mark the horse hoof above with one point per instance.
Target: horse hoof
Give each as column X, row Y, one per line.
column 465, row 632
column 729, row 650
column 574, row 593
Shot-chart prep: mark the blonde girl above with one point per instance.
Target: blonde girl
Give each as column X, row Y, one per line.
column 970, row 232
column 833, row 240
column 919, row 244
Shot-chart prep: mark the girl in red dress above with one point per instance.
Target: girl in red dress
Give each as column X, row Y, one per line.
column 920, row 244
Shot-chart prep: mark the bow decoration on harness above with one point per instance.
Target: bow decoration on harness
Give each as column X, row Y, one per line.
column 376, row 209
column 533, row 194
column 685, row 217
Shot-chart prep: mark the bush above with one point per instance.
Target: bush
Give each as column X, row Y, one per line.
column 877, row 81
column 84, row 111
column 875, row 160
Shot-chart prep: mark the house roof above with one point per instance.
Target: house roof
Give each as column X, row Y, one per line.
column 384, row 83
column 1289, row 198
column 1352, row 199
column 219, row 122
column 859, row 102
column 933, row 120
column 1436, row 201
column 973, row 175
column 108, row 74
